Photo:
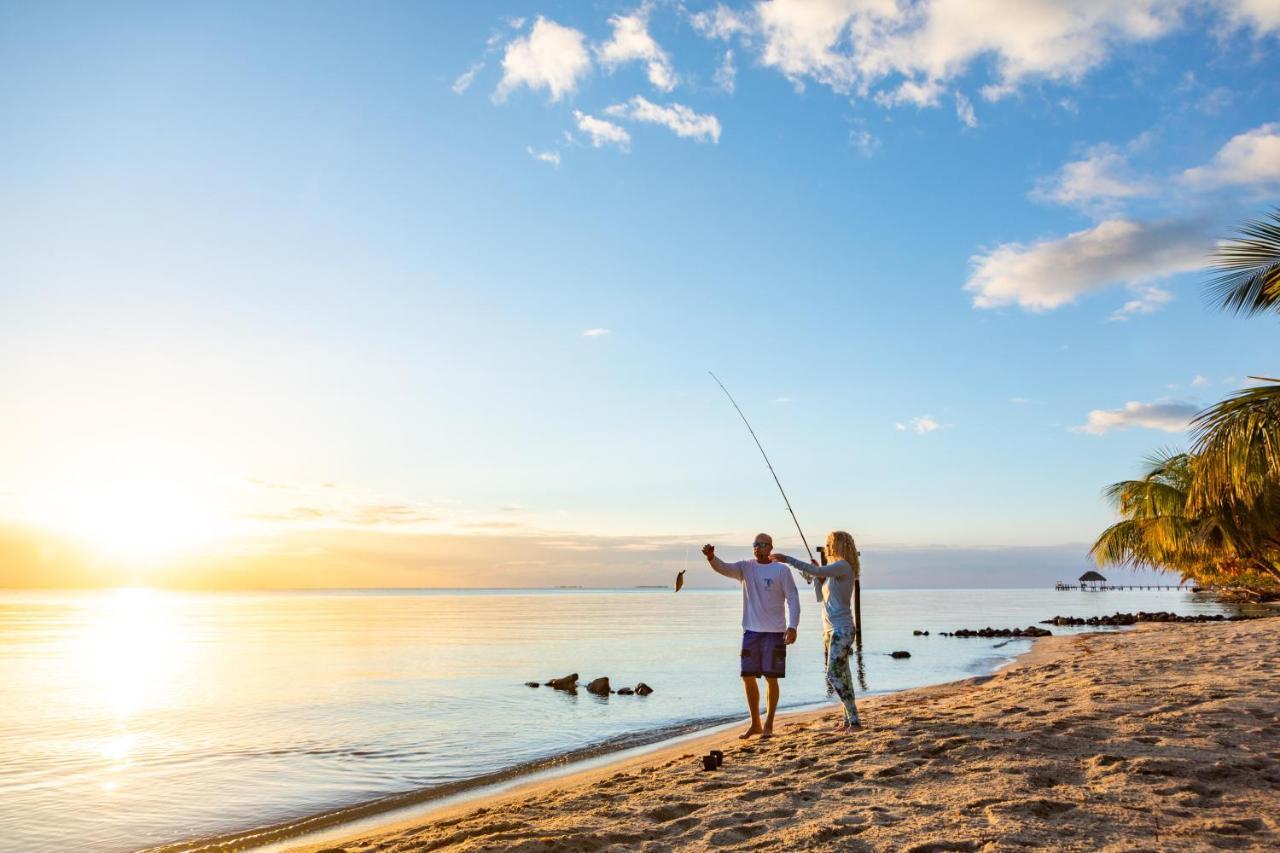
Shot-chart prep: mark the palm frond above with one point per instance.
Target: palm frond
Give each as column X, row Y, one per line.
column 1237, row 448
column 1248, row 269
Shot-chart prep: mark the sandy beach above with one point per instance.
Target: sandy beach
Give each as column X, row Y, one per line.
column 1165, row 737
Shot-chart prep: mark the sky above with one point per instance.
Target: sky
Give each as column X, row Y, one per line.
column 402, row 294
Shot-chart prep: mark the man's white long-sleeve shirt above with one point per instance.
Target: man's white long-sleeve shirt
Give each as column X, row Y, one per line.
column 766, row 587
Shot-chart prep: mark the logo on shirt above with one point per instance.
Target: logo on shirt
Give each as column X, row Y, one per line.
column 768, row 583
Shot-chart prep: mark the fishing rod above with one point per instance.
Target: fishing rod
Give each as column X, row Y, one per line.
column 767, row 462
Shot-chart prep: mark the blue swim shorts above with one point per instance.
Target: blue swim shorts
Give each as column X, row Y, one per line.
column 763, row 653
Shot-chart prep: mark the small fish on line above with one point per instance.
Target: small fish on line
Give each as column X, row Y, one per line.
column 680, row 579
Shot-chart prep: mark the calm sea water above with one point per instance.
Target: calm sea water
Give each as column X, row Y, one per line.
column 133, row 718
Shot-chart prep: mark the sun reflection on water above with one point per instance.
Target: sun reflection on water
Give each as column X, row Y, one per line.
column 128, row 652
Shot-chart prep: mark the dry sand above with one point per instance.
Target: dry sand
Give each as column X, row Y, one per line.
column 1166, row 737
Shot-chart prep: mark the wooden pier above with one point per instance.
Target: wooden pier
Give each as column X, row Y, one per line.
column 1096, row 587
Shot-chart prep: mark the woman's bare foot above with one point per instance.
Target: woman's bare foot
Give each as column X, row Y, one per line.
column 767, row 733
column 751, row 732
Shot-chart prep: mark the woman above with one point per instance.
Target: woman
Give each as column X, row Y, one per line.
column 835, row 590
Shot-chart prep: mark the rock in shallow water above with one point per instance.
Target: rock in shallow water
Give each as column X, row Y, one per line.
column 643, row 689
column 600, row 686
column 532, row 684
column 899, row 654
column 569, row 682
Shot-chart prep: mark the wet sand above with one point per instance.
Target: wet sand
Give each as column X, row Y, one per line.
column 1165, row 737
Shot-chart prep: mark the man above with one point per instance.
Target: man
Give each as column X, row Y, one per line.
column 766, row 630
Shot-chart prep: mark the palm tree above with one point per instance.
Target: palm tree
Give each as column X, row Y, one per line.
column 1156, row 532
column 1238, row 440
column 1218, row 544
column 1248, row 268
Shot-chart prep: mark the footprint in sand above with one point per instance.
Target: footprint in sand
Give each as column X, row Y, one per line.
column 1016, row 811
column 732, row 835
column 671, row 811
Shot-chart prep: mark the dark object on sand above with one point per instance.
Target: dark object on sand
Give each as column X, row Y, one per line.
column 600, row 686
column 643, row 689
column 569, row 682
column 708, row 762
column 532, row 684
column 626, row 691
column 899, row 654
column 680, row 579
column 718, row 756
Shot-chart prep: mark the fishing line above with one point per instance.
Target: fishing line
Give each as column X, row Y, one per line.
column 767, row 462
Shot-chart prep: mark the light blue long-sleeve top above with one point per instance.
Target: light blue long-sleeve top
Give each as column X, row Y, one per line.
column 835, row 590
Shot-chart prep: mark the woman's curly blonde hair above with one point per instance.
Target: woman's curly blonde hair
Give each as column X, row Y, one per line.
column 840, row 546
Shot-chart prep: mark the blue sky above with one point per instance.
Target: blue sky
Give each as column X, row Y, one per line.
column 324, row 273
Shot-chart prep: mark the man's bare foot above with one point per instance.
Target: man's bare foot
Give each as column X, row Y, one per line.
column 767, row 733
column 751, row 732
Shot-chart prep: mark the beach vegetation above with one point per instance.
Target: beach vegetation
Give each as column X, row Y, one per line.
column 1212, row 515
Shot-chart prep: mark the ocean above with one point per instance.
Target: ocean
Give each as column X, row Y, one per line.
column 134, row 718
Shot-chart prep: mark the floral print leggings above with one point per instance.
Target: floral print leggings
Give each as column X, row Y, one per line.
column 839, row 643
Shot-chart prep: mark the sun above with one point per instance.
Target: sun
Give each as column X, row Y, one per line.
column 137, row 516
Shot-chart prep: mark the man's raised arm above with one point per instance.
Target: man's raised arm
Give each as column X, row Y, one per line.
column 709, row 551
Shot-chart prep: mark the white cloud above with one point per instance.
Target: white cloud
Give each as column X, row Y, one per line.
column 1051, row 273
column 964, row 111
column 631, row 42
column 864, row 141
column 1149, row 300
column 1249, row 159
column 721, row 23
column 922, row 425
column 920, row 93
column 727, row 73
column 465, row 78
column 1101, row 178
column 1199, row 381
column 916, row 49
column 552, row 157
column 602, row 132
column 595, row 333
column 1021, row 401
column 551, row 57
column 1169, row 417
column 681, row 120
column 1262, row 16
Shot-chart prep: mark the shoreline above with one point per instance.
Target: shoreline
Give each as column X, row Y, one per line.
column 573, row 768
column 313, row 831
column 1166, row 735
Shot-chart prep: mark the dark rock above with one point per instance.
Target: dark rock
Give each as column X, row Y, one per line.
column 600, row 686
column 569, row 682
column 899, row 654
column 919, row 633
column 626, row 691
column 643, row 689
column 1119, row 620
column 532, row 684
